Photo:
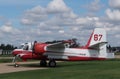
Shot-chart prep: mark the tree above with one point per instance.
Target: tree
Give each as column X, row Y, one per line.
column 7, row 47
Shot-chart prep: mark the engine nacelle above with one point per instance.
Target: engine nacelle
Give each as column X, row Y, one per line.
column 40, row 48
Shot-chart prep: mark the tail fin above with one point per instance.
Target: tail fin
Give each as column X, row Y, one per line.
column 98, row 41
column 97, row 37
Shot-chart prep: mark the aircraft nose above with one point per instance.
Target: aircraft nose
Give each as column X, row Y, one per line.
column 13, row 53
column 16, row 52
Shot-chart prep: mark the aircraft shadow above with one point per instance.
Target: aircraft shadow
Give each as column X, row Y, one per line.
column 61, row 64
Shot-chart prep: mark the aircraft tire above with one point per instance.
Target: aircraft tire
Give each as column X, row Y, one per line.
column 43, row 63
column 16, row 65
column 52, row 63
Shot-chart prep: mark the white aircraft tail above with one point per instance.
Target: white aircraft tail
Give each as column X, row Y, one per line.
column 98, row 41
column 98, row 36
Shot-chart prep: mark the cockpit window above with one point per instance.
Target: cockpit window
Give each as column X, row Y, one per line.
column 21, row 47
column 26, row 47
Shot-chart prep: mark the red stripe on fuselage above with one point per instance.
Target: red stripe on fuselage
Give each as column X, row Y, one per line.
column 74, row 58
column 32, row 56
column 21, row 51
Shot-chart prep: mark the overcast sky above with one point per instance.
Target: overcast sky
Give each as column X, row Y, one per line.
column 46, row 20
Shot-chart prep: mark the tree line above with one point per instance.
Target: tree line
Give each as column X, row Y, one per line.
column 7, row 47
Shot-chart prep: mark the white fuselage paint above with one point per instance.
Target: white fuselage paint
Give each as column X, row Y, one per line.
column 76, row 52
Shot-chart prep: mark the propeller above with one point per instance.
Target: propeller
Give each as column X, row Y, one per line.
column 33, row 48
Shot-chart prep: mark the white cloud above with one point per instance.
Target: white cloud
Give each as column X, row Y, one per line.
column 37, row 10
column 9, row 34
column 95, row 5
column 57, row 6
column 113, row 14
column 114, row 3
column 117, row 36
column 61, row 31
column 7, row 28
column 75, row 28
column 34, row 16
column 55, row 11
column 81, row 20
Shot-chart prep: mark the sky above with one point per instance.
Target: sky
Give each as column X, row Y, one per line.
column 47, row 20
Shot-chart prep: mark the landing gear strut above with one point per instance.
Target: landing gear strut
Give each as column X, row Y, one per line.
column 15, row 61
column 52, row 63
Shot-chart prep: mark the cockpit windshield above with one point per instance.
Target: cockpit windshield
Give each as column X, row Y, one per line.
column 24, row 47
column 21, row 47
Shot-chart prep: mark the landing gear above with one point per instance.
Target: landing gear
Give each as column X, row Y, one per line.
column 43, row 63
column 16, row 64
column 15, row 61
column 52, row 63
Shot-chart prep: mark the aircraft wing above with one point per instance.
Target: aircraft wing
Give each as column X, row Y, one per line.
column 57, row 47
column 97, row 46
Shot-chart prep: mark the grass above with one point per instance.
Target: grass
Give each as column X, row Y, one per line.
column 117, row 53
column 109, row 69
column 5, row 60
column 6, row 55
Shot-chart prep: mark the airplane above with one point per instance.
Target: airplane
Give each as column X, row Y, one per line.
column 25, row 51
column 95, row 49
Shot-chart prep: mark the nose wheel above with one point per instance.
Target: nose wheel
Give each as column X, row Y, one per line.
column 16, row 65
column 15, row 61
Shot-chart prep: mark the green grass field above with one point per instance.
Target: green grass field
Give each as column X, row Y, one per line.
column 109, row 69
column 6, row 55
column 5, row 60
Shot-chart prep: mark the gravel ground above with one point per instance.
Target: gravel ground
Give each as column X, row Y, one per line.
column 8, row 67
column 117, row 56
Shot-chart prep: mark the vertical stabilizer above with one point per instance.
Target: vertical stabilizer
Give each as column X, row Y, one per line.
column 98, row 36
column 98, row 41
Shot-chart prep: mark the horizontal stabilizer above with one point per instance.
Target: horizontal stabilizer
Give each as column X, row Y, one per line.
column 97, row 46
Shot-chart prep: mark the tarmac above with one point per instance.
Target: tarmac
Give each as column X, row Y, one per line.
column 9, row 67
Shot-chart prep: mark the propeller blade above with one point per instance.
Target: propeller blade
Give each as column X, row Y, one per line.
column 34, row 46
column 33, row 49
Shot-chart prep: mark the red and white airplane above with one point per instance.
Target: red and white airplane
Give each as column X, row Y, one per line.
column 95, row 49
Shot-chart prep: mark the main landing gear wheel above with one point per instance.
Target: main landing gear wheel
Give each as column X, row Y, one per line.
column 52, row 63
column 43, row 63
